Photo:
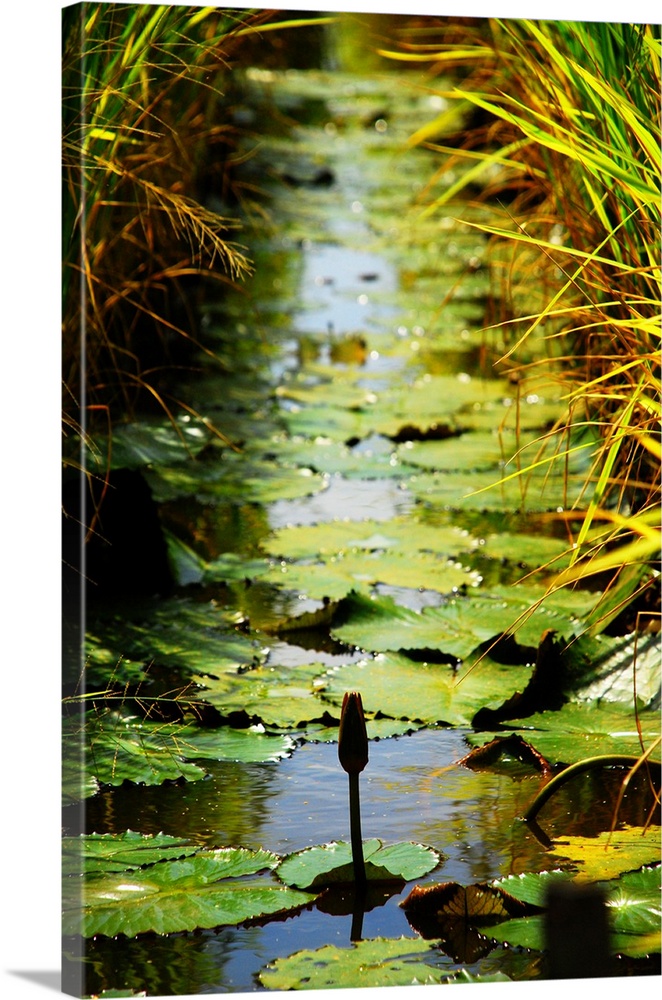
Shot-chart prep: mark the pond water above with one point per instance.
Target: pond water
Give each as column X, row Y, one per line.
column 354, row 299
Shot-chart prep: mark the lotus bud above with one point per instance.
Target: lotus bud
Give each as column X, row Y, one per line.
column 352, row 736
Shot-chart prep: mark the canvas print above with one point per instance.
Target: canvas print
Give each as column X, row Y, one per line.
column 361, row 666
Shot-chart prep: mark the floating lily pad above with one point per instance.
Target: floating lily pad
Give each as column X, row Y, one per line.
column 181, row 633
column 531, row 887
column 497, row 490
column 210, row 889
column 331, row 457
column 527, row 550
column 238, row 477
column 329, row 864
column 283, row 697
column 577, row 731
column 471, row 451
column 401, row 535
column 371, row 963
column 113, row 752
column 610, row 853
column 336, row 576
column 633, row 902
column 342, row 411
column 458, row 627
column 625, row 667
column 103, row 853
column 119, row 748
column 152, row 443
column 403, row 688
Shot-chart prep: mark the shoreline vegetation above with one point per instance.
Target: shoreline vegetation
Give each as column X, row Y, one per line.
column 562, row 125
column 562, row 129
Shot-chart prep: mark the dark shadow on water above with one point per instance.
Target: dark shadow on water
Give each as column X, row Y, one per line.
column 50, row 980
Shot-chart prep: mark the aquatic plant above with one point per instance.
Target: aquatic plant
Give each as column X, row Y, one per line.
column 353, row 757
column 561, row 129
column 142, row 106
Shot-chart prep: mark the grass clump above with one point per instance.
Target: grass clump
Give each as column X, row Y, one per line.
column 562, row 138
column 145, row 116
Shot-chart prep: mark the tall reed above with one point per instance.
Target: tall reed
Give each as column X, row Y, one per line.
column 144, row 107
column 566, row 138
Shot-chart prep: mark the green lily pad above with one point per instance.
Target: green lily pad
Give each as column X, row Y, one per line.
column 624, row 665
column 335, row 457
column 458, row 627
column 633, row 902
column 495, row 490
column 472, row 451
column 401, row 535
column 400, row 687
column 371, row 963
column 577, row 731
column 531, row 887
column 338, row 575
column 152, row 443
column 518, row 933
column 238, row 477
column 181, row 633
column 103, row 853
column 282, row 697
column 113, row 752
column 249, row 746
column 341, row 411
column 527, row 550
column 330, row 864
column 610, row 853
column 210, row 889
column 633, row 898
column 117, row 748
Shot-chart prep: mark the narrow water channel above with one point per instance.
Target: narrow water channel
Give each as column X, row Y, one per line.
column 355, row 302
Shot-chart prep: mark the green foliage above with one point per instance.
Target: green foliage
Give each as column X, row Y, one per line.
column 210, row 889
column 330, row 864
column 116, row 746
column 633, row 903
column 142, row 102
column 101, row 853
column 400, row 687
column 460, row 626
column 573, row 143
column 576, row 731
column 369, row 963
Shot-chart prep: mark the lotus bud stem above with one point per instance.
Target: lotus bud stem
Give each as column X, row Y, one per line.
column 353, row 757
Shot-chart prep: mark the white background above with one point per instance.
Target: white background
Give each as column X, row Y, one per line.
column 29, row 492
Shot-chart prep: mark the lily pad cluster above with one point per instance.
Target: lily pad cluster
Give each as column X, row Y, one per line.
column 138, row 884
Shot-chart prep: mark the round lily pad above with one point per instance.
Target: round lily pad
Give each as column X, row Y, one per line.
column 326, row 864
